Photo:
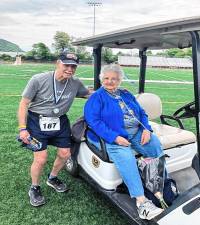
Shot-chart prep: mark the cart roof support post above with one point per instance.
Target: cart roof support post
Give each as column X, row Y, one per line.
column 97, row 66
column 143, row 62
column 196, row 76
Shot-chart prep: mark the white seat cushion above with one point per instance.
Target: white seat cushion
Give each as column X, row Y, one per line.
column 169, row 136
column 151, row 103
column 172, row 136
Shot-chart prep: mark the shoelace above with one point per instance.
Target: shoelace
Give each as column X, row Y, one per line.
column 37, row 191
column 57, row 181
column 147, row 204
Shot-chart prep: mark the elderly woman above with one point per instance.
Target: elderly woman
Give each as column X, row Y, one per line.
column 116, row 116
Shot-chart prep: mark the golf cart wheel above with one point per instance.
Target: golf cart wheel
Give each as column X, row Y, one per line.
column 71, row 166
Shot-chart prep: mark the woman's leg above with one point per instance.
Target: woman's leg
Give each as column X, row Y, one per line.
column 125, row 162
column 151, row 149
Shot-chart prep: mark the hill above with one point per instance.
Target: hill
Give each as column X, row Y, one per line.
column 7, row 46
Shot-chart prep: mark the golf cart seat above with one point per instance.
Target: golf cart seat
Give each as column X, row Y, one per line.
column 169, row 135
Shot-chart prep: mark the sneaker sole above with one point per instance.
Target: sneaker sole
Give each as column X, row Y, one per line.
column 151, row 217
column 35, row 204
column 59, row 191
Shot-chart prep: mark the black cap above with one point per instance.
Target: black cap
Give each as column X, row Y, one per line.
column 69, row 58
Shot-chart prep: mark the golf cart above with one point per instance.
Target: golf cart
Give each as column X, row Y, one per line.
column 182, row 146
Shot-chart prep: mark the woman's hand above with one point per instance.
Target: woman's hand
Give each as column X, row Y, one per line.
column 122, row 141
column 146, row 135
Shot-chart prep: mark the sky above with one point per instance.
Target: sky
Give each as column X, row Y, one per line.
column 26, row 22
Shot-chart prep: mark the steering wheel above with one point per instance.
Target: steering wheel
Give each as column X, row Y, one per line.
column 186, row 111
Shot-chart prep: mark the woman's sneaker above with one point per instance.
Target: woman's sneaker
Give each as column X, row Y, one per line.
column 36, row 197
column 147, row 210
column 57, row 184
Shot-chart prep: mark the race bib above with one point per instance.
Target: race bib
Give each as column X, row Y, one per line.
column 49, row 123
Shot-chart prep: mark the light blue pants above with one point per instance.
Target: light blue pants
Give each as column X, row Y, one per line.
column 125, row 161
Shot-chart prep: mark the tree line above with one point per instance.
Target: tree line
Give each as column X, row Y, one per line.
column 41, row 53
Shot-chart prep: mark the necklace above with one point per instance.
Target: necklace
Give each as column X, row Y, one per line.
column 56, row 96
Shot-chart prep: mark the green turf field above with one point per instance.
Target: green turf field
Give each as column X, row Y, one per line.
column 82, row 205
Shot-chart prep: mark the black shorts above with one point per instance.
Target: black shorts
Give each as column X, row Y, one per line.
column 60, row 139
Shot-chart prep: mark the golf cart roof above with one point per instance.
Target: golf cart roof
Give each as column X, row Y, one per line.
column 162, row 35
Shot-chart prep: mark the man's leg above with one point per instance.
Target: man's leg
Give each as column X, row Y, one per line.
column 62, row 155
column 35, row 194
column 39, row 161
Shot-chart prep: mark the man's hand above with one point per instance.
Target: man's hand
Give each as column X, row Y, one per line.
column 122, row 141
column 146, row 135
column 23, row 135
column 90, row 91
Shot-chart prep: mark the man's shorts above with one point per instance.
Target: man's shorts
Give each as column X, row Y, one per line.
column 60, row 139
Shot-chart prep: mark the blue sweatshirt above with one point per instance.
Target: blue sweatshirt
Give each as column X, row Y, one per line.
column 104, row 115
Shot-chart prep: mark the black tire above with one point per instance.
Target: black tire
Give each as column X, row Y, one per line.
column 71, row 167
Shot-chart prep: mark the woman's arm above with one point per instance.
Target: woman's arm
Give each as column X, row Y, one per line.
column 92, row 113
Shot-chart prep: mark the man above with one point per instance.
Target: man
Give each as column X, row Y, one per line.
column 45, row 100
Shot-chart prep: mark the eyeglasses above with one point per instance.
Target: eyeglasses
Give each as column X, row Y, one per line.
column 113, row 80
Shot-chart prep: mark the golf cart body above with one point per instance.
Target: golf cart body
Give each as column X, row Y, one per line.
column 181, row 145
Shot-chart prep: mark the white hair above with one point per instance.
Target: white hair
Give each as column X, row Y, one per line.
column 111, row 68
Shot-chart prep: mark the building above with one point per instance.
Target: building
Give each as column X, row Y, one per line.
column 156, row 61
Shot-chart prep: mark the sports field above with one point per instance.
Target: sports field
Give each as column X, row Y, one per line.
column 81, row 205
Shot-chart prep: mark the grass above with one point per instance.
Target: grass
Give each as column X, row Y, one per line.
column 82, row 205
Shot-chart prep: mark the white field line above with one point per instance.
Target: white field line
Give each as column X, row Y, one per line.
column 28, row 75
column 125, row 80
column 16, row 95
column 4, row 75
column 149, row 81
column 9, row 95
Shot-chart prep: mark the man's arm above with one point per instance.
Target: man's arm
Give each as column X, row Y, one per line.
column 90, row 91
column 84, row 91
column 22, row 114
